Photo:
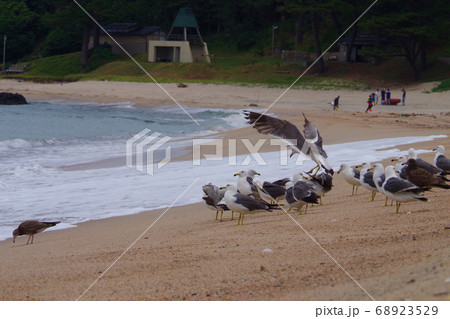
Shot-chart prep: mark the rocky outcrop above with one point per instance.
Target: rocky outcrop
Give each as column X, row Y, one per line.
column 12, row 98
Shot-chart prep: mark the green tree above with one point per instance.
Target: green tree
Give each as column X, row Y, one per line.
column 417, row 24
column 17, row 22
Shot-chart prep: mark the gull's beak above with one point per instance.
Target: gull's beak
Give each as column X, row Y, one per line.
column 223, row 187
column 237, row 174
column 358, row 166
column 258, row 174
column 434, row 149
column 394, row 159
column 14, row 239
column 339, row 170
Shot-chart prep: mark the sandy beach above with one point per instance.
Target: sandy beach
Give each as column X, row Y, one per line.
column 187, row 255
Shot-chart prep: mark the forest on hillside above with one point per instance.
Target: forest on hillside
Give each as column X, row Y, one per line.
column 40, row 28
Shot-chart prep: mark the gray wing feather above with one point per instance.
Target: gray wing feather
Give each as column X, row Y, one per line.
column 249, row 203
column 397, row 185
column 443, row 163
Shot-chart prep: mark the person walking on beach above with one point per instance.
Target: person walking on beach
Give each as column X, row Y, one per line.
column 388, row 97
column 336, row 104
column 383, row 95
column 403, row 96
column 370, row 101
column 377, row 96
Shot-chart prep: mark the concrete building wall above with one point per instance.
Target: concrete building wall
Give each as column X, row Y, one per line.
column 177, row 51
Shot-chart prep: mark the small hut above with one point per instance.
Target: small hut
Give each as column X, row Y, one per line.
column 183, row 43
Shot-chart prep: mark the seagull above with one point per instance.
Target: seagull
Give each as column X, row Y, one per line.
column 423, row 164
column 299, row 194
column 366, row 179
column 244, row 204
column 310, row 145
column 400, row 190
column 378, row 178
column 30, row 228
column 321, row 183
column 351, row 176
column 245, row 182
column 212, row 198
column 270, row 192
column 400, row 166
column 440, row 161
column 423, row 178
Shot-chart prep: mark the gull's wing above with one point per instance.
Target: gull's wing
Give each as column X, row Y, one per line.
column 282, row 129
column 397, row 185
column 212, row 191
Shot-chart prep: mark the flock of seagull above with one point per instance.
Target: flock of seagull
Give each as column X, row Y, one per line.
column 251, row 194
column 406, row 181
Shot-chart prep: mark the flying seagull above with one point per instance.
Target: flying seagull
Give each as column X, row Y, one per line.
column 310, row 145
column 351, row 176
column 400, row 190
column 244, row 204
column 212, row 198
column 441, row 161
column 30, row 228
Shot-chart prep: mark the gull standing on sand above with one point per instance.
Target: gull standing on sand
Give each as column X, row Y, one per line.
column 244, row 204
column 379, row 177
column 400, row 190
column 400, row 166
column 440, row 161
column 351, row 176
column 270, row 192
column 245, row 182
column 310, row 145
column 31, row 228
column 423, row 164
column 366, row 180
column 212, row 198
column 423, row 178
column 299, row 194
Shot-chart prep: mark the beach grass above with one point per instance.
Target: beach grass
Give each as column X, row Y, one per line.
column 234, row 68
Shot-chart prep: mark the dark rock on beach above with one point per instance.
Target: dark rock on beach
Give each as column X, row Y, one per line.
column 12, row 98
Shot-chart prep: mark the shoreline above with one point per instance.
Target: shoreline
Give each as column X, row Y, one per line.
column 190, row 256
column 228, row 96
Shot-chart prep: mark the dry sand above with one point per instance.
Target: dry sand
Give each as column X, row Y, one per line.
column 188, row 255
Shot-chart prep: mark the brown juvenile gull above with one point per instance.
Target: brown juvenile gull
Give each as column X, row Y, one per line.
column 400, row 190
column 422, row 178
column 440, row 161
column 30, row 228
column 310, row 145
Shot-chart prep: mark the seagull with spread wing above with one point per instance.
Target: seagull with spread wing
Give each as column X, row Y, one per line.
column 310, row 145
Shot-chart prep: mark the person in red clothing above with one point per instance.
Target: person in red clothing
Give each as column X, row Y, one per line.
column 370, row 101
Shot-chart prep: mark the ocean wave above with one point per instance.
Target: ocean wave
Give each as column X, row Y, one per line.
column 19, row 143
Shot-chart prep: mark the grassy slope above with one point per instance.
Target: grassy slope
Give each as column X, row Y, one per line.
column 242, row 69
